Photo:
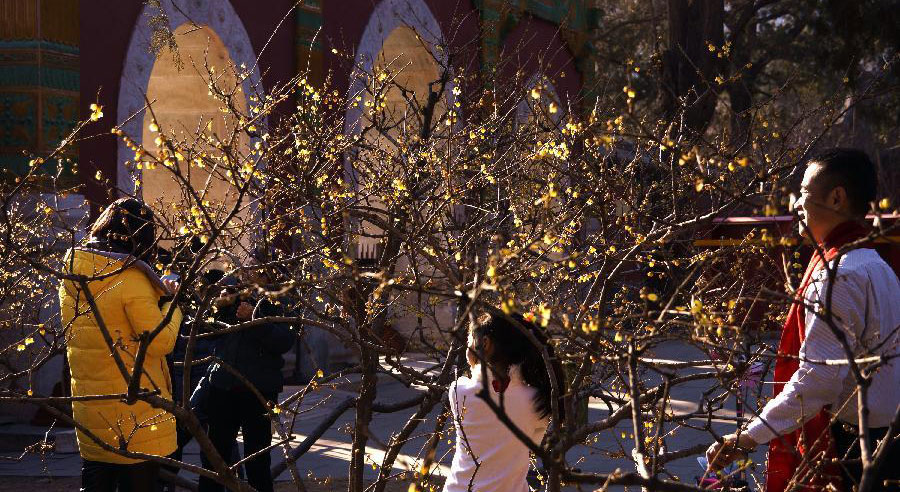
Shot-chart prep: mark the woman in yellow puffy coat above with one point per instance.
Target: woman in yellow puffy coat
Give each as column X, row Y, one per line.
column 127, row 294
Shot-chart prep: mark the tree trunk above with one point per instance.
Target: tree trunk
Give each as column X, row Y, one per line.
column 690, row 67
column 367, row 393
column 741, row 118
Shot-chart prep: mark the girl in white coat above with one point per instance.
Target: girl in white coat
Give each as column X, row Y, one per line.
column 489, row 457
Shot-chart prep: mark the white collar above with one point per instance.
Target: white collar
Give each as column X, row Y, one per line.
column 515, row 373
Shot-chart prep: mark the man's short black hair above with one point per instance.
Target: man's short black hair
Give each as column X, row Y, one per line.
column 853, row 170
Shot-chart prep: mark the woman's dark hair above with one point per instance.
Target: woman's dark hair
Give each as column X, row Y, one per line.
column 513, row 347
column 126, row 226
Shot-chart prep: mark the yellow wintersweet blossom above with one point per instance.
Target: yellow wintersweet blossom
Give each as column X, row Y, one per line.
column 96, row 112
column 696, row 306
column 545, row 315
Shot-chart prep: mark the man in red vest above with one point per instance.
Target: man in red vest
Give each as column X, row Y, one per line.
column 848, row 301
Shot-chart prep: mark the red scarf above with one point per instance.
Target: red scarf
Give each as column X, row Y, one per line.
column 813, row 440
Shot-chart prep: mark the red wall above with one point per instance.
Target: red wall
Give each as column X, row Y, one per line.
column 535, row 46
column 277, row 62
column 106, row 27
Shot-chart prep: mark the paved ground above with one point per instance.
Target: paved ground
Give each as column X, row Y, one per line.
column 68, row 484
column 329, row 457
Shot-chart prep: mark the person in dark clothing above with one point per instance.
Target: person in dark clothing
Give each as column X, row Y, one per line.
column 100, row 476
column 211, row 284
column 212, row 280
column 256, row 354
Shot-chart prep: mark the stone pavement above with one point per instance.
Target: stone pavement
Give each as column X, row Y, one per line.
column 330, row 455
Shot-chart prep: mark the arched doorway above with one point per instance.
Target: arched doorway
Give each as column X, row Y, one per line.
column 539, row 121
column 403, row 75
column 402, row 36
column 183, row 110
column 420, row 29
column 221, row 19
column 405, row 53
column 399, row 47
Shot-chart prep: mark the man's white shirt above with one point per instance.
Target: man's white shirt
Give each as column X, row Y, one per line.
column 865, row 305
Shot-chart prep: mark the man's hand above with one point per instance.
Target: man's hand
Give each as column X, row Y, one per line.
column 721, row 454
column 244, row 311
column 225, row 300
column 171, row 285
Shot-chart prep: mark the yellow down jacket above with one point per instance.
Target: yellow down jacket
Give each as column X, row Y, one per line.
column 128, row 303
